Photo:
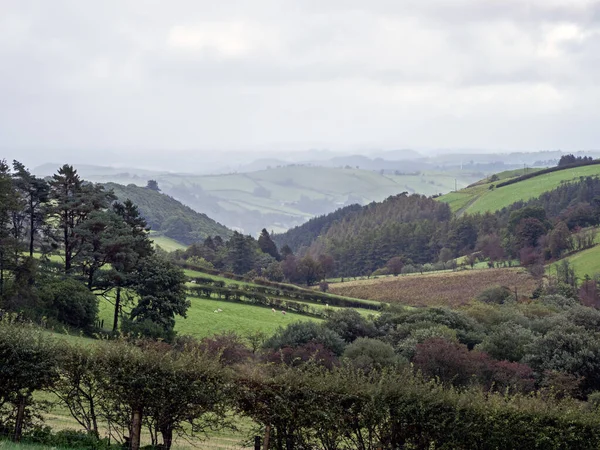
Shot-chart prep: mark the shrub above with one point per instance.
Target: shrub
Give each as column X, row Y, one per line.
column 349, row 324
column 70, row 302
column 228, row 348
column 300, row 333
column 495, row 294
column 146, row 328
column 311, row 352
column 367, row 354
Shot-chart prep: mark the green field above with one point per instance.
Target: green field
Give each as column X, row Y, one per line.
column 166, row 243
column 586, row 262
column 479, row 198
column 202, row 320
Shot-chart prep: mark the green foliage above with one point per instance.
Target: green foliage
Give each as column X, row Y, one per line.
column 568, row 349
column 70, row 302
column 160, row 286
column 507, row 342
column 297, row 334
column 28, row 362
column 495, row 294
column 350, row 325
column 368, row 354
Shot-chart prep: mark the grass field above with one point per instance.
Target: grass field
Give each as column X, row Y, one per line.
column 480, row 198
column 238, row 317
column 586, row 262
column 166, row 243
column 438, row 289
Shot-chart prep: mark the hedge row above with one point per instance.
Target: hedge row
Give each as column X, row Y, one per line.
column 238, row 295
column 282, row 290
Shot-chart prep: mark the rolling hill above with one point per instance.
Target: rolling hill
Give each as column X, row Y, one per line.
column 485, row 196
column 282, row 197
column 169, row 218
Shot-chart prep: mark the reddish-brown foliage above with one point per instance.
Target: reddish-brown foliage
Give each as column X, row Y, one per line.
column 228, row 347
column 454, row 363
column 311, row 351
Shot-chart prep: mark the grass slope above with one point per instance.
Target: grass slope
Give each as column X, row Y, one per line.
column 166, row 243
column 479, row 198
column 437, row 289
column 241, row 318
column 586, row 262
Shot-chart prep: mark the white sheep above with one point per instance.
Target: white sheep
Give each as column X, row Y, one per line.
column 220, row 310
column 273, row 309
column 283, row 312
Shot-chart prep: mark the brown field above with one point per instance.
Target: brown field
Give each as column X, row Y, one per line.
column 437, row 289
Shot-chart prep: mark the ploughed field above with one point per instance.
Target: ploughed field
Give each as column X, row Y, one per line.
column 437, row 289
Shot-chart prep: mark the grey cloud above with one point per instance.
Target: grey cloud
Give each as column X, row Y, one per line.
column 238, row 74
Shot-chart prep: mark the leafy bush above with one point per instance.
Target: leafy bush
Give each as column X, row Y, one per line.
column 300, row 333
column 146, row 328
column 367, row 354
column 70, row 302
column 495, row 294
column 507, row 342
column 349, row 324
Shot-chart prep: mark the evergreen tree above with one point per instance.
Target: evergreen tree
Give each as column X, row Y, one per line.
column 124, row 263
column 8, row 205
column 153, row 185
column 241, row 253
column 34, row 192
column 267, row 245
column 72, row 203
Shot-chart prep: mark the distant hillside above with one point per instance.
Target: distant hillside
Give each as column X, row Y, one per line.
column 282, row 197
column 169, row 217
column 486, row 196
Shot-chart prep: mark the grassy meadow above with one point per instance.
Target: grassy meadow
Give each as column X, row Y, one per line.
column 480, row 198
column 166, row 243
column 586, row 262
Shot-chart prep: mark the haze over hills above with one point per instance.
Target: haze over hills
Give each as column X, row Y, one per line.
column 275, row 194
column 281, row 197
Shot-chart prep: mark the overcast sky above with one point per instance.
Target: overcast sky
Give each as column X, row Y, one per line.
column 150, row 75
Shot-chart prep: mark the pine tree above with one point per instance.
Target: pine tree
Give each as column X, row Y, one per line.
column 267, row 245
column 8, row 205
column 34, row 192
column 72, row 203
